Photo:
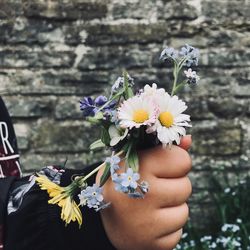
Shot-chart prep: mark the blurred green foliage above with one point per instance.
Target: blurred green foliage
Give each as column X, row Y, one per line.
column 232, row 216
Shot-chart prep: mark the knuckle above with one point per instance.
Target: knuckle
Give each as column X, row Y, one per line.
column 169, row 241
column 186, row 161
column 188, row 187
column 185, row 212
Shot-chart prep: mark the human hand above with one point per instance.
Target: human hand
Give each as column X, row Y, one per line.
column 155, row 222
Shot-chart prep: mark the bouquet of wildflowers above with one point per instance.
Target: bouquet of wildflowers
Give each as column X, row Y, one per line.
column 129, row 121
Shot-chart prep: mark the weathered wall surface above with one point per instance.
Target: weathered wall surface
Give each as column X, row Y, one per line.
column 52, row 53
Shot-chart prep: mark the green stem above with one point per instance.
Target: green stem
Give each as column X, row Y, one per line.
column 177, row 68
column 125, row 77
column 245, row 231
column 84, row 178
column 127, row 155
column 179, row 86
column 182, row 62
column 231, row 247
column 175, row 77
column 126, row 85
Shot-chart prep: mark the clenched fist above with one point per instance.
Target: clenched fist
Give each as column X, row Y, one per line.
column 155, row 222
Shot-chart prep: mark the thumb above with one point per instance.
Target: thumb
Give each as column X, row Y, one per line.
column 186, row 142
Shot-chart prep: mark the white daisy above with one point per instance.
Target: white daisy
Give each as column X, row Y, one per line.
column 137, row 111
column 152, row 91
column 171, row 122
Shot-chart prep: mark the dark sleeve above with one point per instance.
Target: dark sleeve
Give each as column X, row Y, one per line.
column 92, row 233
column 39, row 225
column 5, row 184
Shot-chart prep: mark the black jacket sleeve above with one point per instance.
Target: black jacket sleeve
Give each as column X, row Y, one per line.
column 5, row 185
column 9, row 161
column 36, row 225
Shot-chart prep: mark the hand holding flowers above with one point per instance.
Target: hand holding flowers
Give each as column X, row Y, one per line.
column 131, row 121
column 154, row 222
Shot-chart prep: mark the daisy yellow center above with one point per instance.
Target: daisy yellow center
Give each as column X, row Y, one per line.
column 166, row 119
column 140, row 116
column 129, row 178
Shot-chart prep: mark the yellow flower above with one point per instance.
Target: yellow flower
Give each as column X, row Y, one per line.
column 52, row 188
column 62, row 197
column 70, row 211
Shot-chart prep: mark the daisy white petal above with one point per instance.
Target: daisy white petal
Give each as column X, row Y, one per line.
column 137, row 111
column 182, row 117
column 171, row 123
column 153, row 91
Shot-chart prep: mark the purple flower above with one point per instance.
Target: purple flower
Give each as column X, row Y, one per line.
column 100, row 100
column 89, row 106
column 109, row 109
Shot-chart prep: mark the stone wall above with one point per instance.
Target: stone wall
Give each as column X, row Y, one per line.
column 52, row 53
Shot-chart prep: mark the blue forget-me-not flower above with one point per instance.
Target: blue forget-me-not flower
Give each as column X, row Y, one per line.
column 119, row 83
column 129, row 179
column 144, row 187
column 92, row 197
column 116, row 178
column 192, row 77
column 114, row 163
column 192, row 55
column 169, row 53
column 126, row 182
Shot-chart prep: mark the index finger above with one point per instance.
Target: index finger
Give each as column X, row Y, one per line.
column 186, row 142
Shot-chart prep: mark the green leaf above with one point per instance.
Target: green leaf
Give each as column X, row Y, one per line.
column 132, row 159
column 126, row 146
column 125, row 76
column 97, row 144
column 105, row 175
column 130, row 92
column 99, row 115
column 126, row 85
column 105, row 138
column 93, row 120
column 96, row 119
column 179, row 87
